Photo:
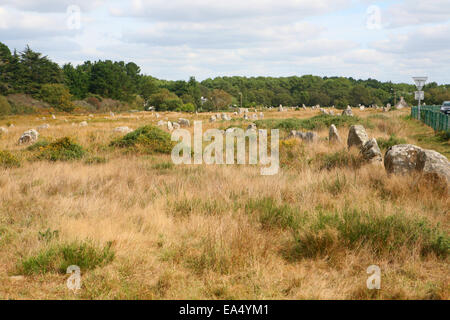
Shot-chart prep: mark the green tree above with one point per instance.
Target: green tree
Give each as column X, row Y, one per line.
column 58, row 96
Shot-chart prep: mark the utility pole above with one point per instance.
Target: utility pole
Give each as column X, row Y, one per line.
column 240, row 93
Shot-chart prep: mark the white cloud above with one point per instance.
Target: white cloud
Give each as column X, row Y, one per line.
column 416, row 12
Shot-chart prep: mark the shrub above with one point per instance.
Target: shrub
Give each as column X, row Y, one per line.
column 317, row 122
column 188, row 107
column 147, row 139
column 63, row 149
column 271, row 215
column 326, row 231
column 5, row 107
column 393, row 140
column 93, row 101
column 58, row 96
column 40, row 145
column 8, row 160
column 57, row 258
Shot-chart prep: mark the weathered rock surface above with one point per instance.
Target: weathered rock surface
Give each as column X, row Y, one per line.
column 357, row 136
column 29, row 136
column 306, row 136
column 402, row 158
column 348, row 112
column 122, row 130
column 333, row 135
column 184, row 122
column 434, row 163
column 371, row 152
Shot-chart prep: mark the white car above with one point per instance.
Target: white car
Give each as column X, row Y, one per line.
column 446, row 107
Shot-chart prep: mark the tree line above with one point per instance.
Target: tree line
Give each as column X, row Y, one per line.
column 32, row 73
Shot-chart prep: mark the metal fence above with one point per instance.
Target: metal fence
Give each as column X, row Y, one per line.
column 433, row 117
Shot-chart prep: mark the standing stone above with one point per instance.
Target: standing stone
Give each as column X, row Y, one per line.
column 184, row 122
column 212, row 119
column 357, row 136
column 83, row 124
column 371, row 152
column 169, row 126
column 433, row 163
column 333, row 135
column 402, row 158
column 251, row 126
column 401, row 104
column 3, row 130
column 348, row 112
column 122, row 130
column 29, row 136
column 176, row 125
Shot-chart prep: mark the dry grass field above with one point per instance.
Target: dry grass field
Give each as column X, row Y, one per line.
column 142, row 228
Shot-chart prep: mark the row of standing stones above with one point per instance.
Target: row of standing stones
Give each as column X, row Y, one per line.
column 399, row 159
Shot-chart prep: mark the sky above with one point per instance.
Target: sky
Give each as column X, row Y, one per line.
column 388, row 40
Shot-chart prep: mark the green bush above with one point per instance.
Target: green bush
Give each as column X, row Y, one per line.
column 8, row 160
column 5, row 107
column 63, row 149
column 393, row 140
column 325, row 231
column 147, row 139
column 188, row 107
column 57, row 258
column 272, row 215
column 58, row 96
column 317, row 122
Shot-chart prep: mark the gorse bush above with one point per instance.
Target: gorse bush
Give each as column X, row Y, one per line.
column 8, row 160
column 147, row 139
column 317, row 122
column 325, row 232
column 63, row 149
column 57, row 258
column 393, row 140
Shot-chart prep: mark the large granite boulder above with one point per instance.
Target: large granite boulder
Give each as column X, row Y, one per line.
column 371, row 152
column 433, row 163
column 357, row 136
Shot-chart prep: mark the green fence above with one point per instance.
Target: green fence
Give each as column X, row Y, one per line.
column 432, row 116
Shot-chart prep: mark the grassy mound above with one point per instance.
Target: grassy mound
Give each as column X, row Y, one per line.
column 147, row 139
column 63, row 149
column 317, row 122
column 8, row 160
column 58, row 257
